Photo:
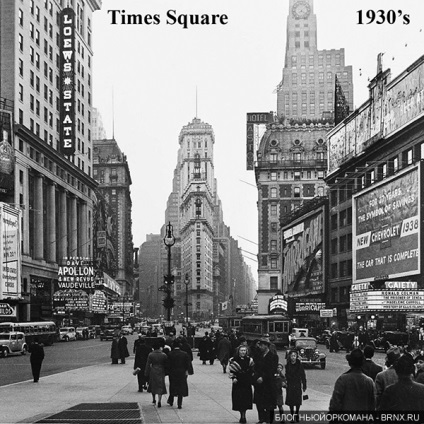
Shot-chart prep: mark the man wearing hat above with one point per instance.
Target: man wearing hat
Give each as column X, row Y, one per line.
column 369, row 367
column 389, row 376
column 406, row 394
column 419, row 363
column 265, row 396
column 353, row 391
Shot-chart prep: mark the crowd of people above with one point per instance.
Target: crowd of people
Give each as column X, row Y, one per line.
column 260, row 379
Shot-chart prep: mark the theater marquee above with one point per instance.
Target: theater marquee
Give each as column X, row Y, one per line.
column 67, row 88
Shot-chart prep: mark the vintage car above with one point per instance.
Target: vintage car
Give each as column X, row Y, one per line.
column 12, row 342
column 108, row 332
column 343, row 340
column 67, row 333
column 323, row 337
column 387, row 339
column 309, row 353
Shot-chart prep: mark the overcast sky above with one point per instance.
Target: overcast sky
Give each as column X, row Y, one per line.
column 153, row 71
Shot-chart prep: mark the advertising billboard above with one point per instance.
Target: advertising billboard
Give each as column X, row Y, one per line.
column 402, row 296
column 303, row 268
column 10, row 251
column 386, row 228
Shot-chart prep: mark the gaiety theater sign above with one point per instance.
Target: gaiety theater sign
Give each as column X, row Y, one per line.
column 67, row 89
column 76, row 273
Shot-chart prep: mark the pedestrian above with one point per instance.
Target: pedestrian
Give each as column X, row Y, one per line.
column 180, row 368
column 205, row 348
column 155, row 371
column 296, row 382
column 419, row 363
column 123, row 348
column 265, row 395
column 353, row 390
column 185, row 347
column 389, row 376
column 37, row 355
column 369, row 367
column 142, row 351
column 280, row 383
column 241, row 369
column 406, row 394
column 114, row 350
column 223, row 352
column 334, row 343
column 137, row 341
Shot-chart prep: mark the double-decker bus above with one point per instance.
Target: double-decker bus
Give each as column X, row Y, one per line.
column 46, row 331
column 277, row 327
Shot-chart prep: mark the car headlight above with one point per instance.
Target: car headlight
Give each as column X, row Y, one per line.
column 302, row 351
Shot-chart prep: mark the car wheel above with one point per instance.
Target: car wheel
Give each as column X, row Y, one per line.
column 5, row 353
column 66, row 338
column 323, row 365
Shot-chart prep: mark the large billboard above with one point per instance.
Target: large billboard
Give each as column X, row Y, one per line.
column 386, row 228
column 10, row 252
column 303, row 268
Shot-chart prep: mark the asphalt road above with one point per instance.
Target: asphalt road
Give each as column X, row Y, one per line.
column 64, row 356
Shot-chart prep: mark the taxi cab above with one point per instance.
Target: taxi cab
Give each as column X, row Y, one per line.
column 12, row 342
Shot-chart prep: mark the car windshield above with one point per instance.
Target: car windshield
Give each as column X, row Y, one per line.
column 306, row 343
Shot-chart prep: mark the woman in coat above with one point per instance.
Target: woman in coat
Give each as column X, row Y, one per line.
column 123, row 348
column 142, row 351
column 296, row 381
column 241, row 372
column 155, row 371
column 180, row 368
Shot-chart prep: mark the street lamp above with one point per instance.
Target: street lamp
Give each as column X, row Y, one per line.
column 186, row 282
column 169, row 241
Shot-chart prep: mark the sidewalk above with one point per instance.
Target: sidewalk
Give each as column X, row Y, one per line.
column 209, row 399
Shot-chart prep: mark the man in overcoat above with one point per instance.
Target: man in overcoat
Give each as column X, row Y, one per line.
column 37, row 355
column 180, row 368
column 123, row 348
column 265, row 368
column 142, row 351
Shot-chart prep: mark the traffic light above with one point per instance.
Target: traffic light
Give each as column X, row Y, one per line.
column 168, row 302
column 169, row 279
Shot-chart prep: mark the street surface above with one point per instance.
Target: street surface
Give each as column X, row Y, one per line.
column 65, row 356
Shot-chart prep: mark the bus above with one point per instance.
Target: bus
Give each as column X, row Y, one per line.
column 229, row 323
column 276, row 326
column 46, row 331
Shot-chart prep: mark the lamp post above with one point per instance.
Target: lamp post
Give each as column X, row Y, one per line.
column 186, row 282
column 169, row 241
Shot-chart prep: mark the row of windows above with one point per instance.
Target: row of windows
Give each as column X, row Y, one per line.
column 341, row 269
column 378, row 173
column 341, row 219
column 304, row 97
column 311, row 58
column 342, row 244
column 308, row 191
column 296, row 175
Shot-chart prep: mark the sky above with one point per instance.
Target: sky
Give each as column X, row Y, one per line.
column 146, row 77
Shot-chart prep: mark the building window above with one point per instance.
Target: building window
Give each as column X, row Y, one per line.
column 273, row 245
column 333, row 220
column 334, row 272
column 273, row 192
column 297, row 192
column 334, row 246
column 343, row 218
column 273, row 283
column 297, row 175
column 274, row 264
column 274, row 227
column 274, row 210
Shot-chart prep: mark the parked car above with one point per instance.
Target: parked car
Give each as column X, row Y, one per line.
column 308, row 352
column 12, row 342
column 127, row 329
column 67, row 333
column 109, row 332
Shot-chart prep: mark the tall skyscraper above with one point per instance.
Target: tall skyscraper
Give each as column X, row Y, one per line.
column 308, row 85
column 292, row 154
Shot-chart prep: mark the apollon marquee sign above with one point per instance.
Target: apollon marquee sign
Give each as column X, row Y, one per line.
column 67, row 70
